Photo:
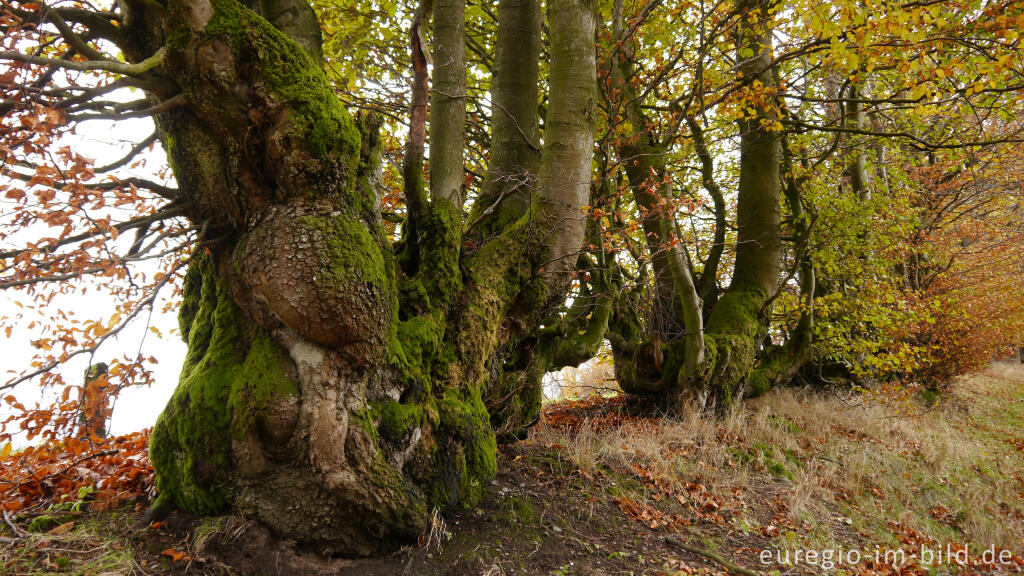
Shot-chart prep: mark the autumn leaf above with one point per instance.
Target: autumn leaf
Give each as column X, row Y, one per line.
column 175, row 555
column 62, row 528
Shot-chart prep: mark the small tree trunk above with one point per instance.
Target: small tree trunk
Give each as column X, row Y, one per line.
column 95, row 403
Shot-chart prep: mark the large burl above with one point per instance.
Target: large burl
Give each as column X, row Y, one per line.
column 320, row 273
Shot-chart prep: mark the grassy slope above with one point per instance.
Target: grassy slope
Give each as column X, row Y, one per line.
column 596, row 490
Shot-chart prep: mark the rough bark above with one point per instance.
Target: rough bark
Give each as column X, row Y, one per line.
column 95, row 403
column 328, row 392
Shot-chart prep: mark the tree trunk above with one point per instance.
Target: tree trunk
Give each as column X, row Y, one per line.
column 718, row 377
column 514, row 164
column 328, row 393
column 554, row 221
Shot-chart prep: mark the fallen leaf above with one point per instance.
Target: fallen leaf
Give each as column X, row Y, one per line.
column 175, row 555
column 62, row 528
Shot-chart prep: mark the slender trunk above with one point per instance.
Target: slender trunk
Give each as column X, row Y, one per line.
column 677, row 308
column 448, row 103
column 738, row 322
column 515, row 379
column 758, row 244
column 567, row 163
column 708, row 282
column 514, row 164
column 857, row 168
column 415, row 146
column 556, row 223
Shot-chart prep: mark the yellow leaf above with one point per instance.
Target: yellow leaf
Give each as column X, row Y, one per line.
column 6, row 450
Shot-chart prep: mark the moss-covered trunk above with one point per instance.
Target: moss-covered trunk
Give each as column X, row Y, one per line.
column 738, row 321
column 328, row 393
column 542, row 210
column 304, row 402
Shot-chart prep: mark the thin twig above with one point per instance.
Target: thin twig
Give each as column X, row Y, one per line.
column 18, row 532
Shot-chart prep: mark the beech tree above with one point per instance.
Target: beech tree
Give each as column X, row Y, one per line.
column 363, row 326
column 329, row 378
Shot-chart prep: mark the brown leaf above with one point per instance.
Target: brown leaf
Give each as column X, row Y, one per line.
column 62, row 528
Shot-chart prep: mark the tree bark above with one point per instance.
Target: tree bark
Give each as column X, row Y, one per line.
column 329, row 393
column 554, row 222
column 566, row 166
column 514, row 165
column 675, row 305
column 738, row 322
column 448, row 103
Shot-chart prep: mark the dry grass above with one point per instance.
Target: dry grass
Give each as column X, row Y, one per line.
column 843, row 465
column 80, row 546
column 596, row 376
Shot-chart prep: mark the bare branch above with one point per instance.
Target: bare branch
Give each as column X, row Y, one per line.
column 139, row 69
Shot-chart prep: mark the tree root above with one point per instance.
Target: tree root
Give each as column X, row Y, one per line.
column 710, row 555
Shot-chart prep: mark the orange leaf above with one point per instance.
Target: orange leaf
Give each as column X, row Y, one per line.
column 174, row 555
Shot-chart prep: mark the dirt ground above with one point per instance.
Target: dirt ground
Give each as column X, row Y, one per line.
column 537, row 518
column 603, row 488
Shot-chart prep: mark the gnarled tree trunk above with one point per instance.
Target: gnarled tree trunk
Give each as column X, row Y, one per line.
column 329, row 393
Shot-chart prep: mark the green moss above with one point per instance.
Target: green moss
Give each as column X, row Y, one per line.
column 769, row 457
column 470, row 462
column 396, row 420
column 364, row 419
column 353, row 253
column 229, row 375
column 440, row 244
column 309, row 123
column 515, row 510
column 208, row 529
column 515, row 399
column 421, row 337
column 495, row 275
column 293, row 77
column 263, row 376
column 189, row 307
column 413, row 295
column 43, row 523
column 736, row 328
column 738, row 312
